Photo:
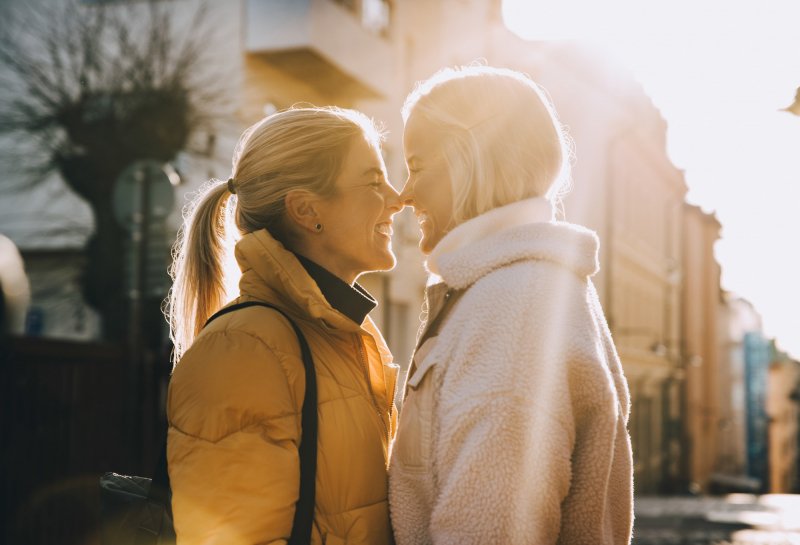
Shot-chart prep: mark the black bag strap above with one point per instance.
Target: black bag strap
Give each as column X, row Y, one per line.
column 304, row 511
column 159, row 488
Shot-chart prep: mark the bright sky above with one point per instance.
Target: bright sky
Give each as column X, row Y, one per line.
column 719, row 71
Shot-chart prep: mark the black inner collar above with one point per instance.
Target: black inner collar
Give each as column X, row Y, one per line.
column 353, row 301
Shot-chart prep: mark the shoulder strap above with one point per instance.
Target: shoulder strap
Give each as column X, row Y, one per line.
column 304, row 511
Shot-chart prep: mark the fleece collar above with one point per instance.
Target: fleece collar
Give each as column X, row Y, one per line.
column 489, row 223
column 524, row 230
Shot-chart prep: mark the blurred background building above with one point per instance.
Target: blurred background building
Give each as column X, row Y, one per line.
column 714, row 404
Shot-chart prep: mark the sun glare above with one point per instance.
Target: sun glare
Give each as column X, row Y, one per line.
column 719, row 71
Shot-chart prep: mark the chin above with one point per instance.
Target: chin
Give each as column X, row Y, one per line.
column 388, row 263
column 384, row 262
column 429, row 238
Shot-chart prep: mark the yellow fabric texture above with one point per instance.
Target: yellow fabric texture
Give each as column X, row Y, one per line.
column 234, row 408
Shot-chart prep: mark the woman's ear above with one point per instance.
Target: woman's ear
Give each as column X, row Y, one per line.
column 302, row 209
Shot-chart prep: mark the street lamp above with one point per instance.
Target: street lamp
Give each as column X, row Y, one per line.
column 794, row 109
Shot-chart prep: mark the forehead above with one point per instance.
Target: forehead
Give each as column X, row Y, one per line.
column 362, row 155
column 420, row 135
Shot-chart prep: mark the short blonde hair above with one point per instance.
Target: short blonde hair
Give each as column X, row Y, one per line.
column 502, row 139
column 299, row 148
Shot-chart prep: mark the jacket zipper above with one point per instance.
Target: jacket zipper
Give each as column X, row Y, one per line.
column 363, row 359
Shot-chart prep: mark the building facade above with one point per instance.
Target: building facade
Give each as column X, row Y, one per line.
column 736, row 316
column 783, row 414
column 757, row 358
column 702, row 366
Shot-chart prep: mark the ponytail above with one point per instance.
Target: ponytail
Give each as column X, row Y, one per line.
column 198, row 288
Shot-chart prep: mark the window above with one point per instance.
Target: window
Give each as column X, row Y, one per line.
column 374, row 15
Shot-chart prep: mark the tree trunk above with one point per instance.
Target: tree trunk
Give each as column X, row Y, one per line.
column 103, row 278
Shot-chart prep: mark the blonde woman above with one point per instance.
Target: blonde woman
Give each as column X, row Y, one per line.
column 513, row 428
column 313, row 210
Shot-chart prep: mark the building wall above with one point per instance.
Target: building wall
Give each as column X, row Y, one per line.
column 737, row 318
column 645, row 193
column 626, row 189
column 783, row 394
column 758, row 405
column 57, row 309
column 757, row 358
column 701, row 295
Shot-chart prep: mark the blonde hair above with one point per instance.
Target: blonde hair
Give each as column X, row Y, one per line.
column 502, row 140
column 299, row 148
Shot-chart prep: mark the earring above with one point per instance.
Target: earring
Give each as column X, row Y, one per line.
column 318, row 227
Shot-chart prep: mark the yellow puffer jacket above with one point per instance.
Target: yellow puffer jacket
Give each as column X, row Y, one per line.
column 234, row 415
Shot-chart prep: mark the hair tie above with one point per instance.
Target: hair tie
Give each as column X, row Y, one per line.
column 231, row 186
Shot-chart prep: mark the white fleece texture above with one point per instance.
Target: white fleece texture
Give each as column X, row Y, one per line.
column 514, row 428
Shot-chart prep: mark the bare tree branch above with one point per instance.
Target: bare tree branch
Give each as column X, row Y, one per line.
column 90, row 89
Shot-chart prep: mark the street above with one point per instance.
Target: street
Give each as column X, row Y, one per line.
column 736, row 519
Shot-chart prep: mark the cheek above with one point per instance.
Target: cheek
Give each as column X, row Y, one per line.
column 364, row 213
column 440, row 199
column 425, row 190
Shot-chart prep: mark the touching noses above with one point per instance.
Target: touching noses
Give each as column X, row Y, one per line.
column 407, row 194
column 394, row 201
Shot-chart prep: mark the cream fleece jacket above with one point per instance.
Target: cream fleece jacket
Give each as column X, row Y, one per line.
column 514, row 427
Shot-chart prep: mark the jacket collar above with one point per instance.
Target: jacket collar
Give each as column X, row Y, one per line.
column 353, row 301
column 489, row 223
column 273, row 273
column 524, row 230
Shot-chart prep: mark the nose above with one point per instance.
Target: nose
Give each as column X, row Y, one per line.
column 407, row 194
column 393, row 200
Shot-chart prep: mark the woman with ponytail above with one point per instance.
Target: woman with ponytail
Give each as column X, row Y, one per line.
column 307, row 209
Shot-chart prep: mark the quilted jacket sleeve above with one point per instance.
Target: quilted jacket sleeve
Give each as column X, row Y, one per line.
column 234, row 429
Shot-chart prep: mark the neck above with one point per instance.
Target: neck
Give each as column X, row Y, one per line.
column 330, row 263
